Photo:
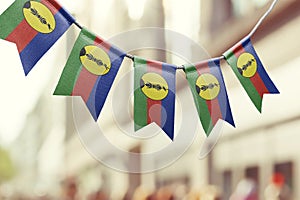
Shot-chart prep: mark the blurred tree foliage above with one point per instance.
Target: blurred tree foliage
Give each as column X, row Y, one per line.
column 7, row 170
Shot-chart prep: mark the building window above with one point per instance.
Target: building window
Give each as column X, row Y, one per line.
column 227, row 184
column 252, row 174
column 244, row 7
column 286, row 170
column 222, row 12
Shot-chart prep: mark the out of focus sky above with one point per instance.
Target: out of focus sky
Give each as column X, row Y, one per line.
column 19, row 94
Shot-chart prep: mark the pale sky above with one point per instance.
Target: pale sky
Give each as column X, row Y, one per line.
column 20, row 93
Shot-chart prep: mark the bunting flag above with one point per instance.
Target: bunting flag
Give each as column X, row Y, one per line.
column 34, row 26
column 247, row 66
column 209, row 92
column 154, row 94
column 90, row 71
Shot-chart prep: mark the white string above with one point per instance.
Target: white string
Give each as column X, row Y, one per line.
column 253, row 30
column 255, row 27
column 262, row 18
column 248, row 36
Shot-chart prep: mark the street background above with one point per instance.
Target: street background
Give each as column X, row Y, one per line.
column 41, row 154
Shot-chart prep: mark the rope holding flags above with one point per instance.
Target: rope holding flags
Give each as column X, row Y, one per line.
column 35, row 25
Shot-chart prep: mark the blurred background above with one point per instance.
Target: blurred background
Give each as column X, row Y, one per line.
column 41, row 154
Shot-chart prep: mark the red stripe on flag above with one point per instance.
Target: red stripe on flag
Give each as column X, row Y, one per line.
column 202, row 68
column 214, row 110
column 259, row 84
column 86, row 81
column 154, row 67
column 22, row 35
column 53, row 6
column 102, row 43
column 84, row 84
column 239, row 50
column 99, row 40
column 154, row 111
column 153, row 106
column 212, row 105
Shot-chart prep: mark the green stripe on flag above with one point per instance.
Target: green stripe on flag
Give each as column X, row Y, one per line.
column 203, row 112
column 140, row 100
column 228, row 54
column 246, row 82
column 73, row 67
column 11, row 18
column 88, row 36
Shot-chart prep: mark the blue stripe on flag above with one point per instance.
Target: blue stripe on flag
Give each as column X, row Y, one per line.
column 102, row 87
column 222, row 98
column 168, row 104
column 260, row 69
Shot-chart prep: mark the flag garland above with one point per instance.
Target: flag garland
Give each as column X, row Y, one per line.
column 209, row 92
column 90, row 71
column 34, row 26
column 154, row 94
column 250, row 71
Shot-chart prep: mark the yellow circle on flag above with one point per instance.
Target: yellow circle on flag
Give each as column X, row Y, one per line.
column 39, row 17
column 207, row 86
column 154, row 86
column 95, row 60
column 247, row 65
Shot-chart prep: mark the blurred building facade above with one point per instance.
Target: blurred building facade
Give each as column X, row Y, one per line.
column 262, row 145
column 91, row 173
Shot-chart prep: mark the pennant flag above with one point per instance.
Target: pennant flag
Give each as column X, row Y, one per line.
column 209, row 92
column 154, row 94
column 34, row 26
column 250, row 71
column 90, row 71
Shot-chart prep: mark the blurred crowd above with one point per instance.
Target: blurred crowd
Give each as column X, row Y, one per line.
column 246, row 189
column 177, row 192
column 70, row 191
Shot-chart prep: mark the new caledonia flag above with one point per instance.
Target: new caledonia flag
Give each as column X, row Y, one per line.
column 34, row 26
column 154, row 94
column 90, row 71
column 209, row 92
column 250, row 71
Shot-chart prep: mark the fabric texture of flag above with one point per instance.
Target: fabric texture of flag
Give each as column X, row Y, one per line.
column 250, row 71
column 209, row 92
column 154, row 94
column 34, row 26
column 90, row 71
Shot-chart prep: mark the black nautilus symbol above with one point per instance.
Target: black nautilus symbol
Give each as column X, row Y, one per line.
column 206, row 87
column 149, row 85
column 92, row 58
column 34, row 12
column 246, row 66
